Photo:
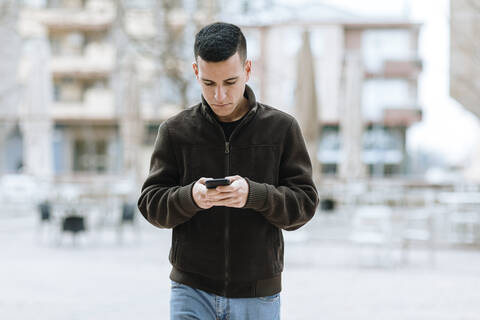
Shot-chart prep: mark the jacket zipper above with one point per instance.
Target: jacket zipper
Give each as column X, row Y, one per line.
column 227, row 217
column 227, row 221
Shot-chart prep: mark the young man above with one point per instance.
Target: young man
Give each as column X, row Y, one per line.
column 227, row 243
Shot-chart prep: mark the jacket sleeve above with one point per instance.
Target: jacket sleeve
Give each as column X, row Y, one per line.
column 163, row 202
column 293, row 203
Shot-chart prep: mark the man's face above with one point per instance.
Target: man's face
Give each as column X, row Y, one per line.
column 223, row 84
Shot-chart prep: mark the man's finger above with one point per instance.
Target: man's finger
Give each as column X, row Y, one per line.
column 226, row 188
column 212, row 192
column 222, row 197
column 228, row 203
column 221, row 203
column 233, row 178
column 203, row 179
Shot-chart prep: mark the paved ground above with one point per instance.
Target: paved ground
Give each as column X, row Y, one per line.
column 100, row 279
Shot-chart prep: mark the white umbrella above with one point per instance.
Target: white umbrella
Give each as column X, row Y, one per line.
column 351, row 120
column 306, row 105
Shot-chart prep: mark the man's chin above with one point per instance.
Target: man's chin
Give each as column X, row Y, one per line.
column 222, row 111
column 217, row 106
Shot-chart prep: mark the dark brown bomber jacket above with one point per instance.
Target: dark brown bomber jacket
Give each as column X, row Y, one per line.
column 232, row 252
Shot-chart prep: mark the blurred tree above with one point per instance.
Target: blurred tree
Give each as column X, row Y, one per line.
column 169, row 46
column 160, row 33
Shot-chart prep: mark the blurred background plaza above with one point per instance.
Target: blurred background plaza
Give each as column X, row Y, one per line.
column 387, row 94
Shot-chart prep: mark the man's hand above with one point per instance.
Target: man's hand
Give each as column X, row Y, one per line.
column 234, row 195
column 199, row 194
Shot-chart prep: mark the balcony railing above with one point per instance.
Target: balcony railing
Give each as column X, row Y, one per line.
column 97, row 105
column 396, row 68
column 404, row 117
column 78, row 15
column 96, row 62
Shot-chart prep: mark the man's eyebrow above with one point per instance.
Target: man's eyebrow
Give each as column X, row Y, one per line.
column 229, row 79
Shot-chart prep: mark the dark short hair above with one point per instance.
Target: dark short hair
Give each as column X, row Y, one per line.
column 219, row 41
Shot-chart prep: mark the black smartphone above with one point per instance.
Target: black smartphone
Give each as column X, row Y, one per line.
column 213, row 183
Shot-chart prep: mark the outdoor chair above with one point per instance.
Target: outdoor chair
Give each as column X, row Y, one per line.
column 327, row 205
column 372, row 230
column 128, row 213
column 418, row 229
column 45, row 210
column 464, row 226
column 45, row 221
column 74, row 224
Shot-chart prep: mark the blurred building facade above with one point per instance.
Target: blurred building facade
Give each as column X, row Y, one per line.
column 360, row 63
column 97, row 78
column 465, row 65
column 93, row 92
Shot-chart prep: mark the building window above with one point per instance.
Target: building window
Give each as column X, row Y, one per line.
column 12, row 151
column 71, row 4
column 380, row 94
column 139, row 4
column 384, row 138
column 67, row 43
column 151, row 131
column 95, row 37
column 329, row 150
column 385, row 44
column 102, row 84
column 329, row 169
column 59, row 149
column 68, row 90
column 383, row 150
column 90, row 156
column 74, row 90
column 330, row 137
column 384, row 170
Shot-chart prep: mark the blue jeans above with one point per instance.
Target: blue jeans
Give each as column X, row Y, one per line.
column 187, row 303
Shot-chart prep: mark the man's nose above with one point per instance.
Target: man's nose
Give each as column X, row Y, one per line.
column 220, row 93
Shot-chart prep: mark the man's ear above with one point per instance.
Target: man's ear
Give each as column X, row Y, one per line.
column 195, row 69
column 248, row 68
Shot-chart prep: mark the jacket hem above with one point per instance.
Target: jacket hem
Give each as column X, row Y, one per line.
column 233, row 289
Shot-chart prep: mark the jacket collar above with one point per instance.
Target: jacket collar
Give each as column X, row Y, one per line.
column 207, row 111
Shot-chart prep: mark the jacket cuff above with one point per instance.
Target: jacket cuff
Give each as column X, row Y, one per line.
column 257, row 195
column 186, row 198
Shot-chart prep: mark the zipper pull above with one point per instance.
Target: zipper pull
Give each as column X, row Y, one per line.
column 227, row 147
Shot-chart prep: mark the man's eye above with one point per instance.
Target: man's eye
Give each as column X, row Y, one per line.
column 209, row 84
column 230, row 83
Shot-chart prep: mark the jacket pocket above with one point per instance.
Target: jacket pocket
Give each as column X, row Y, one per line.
column 278, row 250
column 260, row 163
column 202, row 161
column 173, row 252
